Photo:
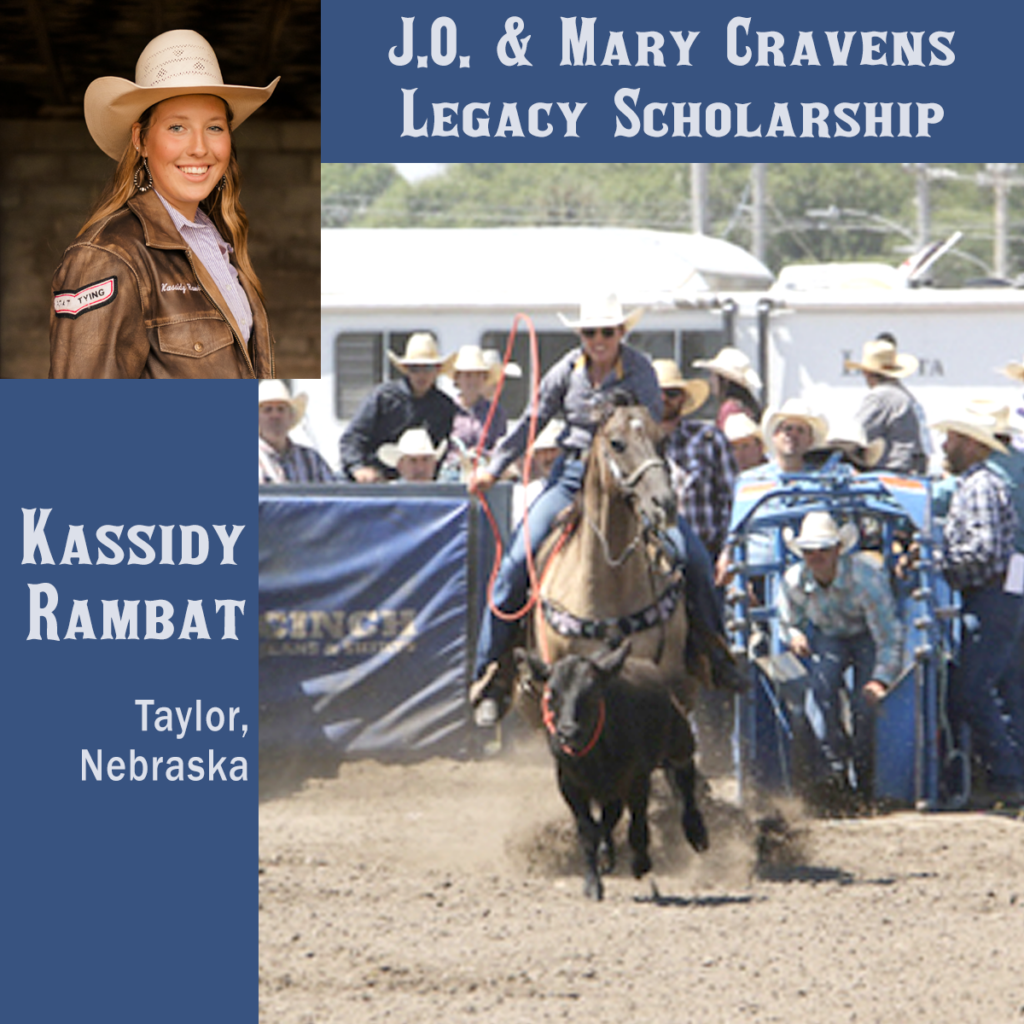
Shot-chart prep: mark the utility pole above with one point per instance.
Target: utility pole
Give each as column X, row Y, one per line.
column 698, row 198
column 759, row 198
column 1001, row 179
column 924, row 206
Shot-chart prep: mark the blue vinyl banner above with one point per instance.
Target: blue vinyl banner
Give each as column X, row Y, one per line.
column 364, row 612
column 462, row 81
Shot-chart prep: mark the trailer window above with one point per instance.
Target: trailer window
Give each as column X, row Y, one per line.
column 358, row 365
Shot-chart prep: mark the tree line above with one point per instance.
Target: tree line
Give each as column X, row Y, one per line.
column 813, row 212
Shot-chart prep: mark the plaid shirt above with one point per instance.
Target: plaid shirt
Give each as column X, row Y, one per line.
column 298, row 465
column 858, row 600
column 979, row 530
column 704, row 477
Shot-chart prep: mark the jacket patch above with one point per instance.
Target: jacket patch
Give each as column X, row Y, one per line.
column 92, row 296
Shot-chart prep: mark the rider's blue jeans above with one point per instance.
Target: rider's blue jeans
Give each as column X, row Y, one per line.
column 511, row 585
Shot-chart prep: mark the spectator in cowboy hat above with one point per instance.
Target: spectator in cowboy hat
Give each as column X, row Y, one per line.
column 473, row 375
column 512, row 370
column 543, row 455
column 414, row 458
column 281, row 459
column 888, row 408
column 699, row 457
column 744, row 436
column 602, row 363
column 978, row 548
column 790, row 432
column 413, row 400
column 836, row 610
column 733, row 383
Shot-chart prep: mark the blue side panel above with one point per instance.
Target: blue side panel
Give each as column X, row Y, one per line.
column 363, row 624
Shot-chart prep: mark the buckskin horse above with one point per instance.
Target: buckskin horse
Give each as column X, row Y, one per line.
column 608, row 572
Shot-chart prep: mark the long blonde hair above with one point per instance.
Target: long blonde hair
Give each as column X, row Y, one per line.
column 222, row 206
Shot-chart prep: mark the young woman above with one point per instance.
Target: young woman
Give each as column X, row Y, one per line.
column 158, row 282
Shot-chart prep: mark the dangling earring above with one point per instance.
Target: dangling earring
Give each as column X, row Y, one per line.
column 223, row 182
column 135, row 177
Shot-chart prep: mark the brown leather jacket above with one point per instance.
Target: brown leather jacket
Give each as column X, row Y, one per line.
column 131, row 300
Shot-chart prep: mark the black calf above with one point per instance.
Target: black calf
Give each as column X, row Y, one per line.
column 610, row 723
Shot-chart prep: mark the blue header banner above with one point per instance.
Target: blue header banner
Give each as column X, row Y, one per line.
column 462, row 81
column 129, row 640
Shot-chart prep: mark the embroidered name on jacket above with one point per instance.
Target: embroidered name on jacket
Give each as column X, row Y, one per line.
column 181, row 286
column 92, row 296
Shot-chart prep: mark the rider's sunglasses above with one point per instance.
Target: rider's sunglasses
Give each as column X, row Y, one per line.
column 605, row 332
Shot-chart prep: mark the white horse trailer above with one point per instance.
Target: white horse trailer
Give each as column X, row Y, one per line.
column 467, row 284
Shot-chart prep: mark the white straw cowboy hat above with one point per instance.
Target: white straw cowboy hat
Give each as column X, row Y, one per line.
column 999, row 412
column 470, row 359
column 734, row 365
column 880, row 356
column 739, row 426
column 849, row 438
column 794, row 409
column 975, row 425
column 277, row 391
column 670, row 377
column 420, row 350
column 415, row 441
column 604, row 311
column 492, row 357
column 818, row 531
column 1015, row 371
column 177, row 63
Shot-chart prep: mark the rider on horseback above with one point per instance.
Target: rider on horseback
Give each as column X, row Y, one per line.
column 571, row 389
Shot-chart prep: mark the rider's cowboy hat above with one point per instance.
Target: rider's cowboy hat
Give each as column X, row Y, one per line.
column 415, row 441
column 734, row 365
column 1014, row 370
column 604, row 311
column 470, row 359
column 177, row 63
column 670, row 378
column 880, row 356
column 420, row 350
column 277, row 391
column 794, row 409
column 976, row 425
column 818, row 531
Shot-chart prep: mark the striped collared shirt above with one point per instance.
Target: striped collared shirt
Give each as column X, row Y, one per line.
column 203, row 238
column 297, row 464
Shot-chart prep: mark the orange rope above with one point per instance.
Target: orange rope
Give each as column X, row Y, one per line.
column 531, row 568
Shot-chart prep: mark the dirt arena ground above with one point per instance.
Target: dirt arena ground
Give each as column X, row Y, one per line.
column 450, row 891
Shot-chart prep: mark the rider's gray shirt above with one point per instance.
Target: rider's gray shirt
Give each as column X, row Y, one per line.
column 566, row 391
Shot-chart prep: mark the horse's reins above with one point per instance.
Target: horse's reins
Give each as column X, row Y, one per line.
column 549, row 724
